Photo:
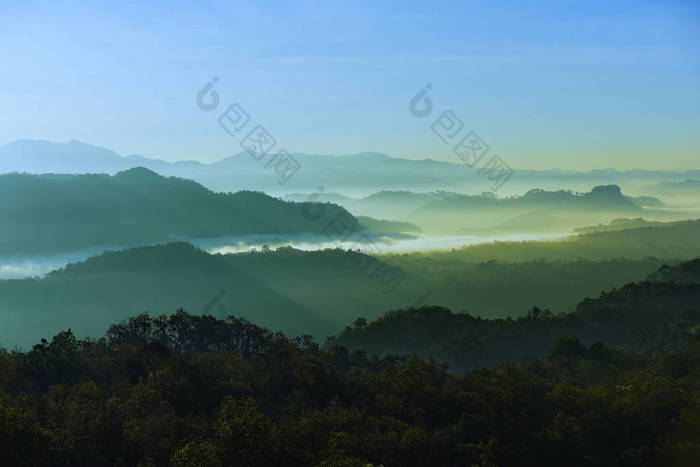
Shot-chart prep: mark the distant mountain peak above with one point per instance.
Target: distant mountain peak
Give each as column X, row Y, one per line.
column 607, row 191
column 139, row 173
column 369, row 155
column 41, row 156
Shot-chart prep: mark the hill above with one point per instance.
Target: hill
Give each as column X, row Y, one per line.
column 316, row 292
column 686, row 273
column 58, row 213
column 648, row 317
column 186, row 390
column 352, row 174
column 620, row 224
column 668, row 240
column 380, row 225
column 160, row 279
column 537, row 210
column 683, row 192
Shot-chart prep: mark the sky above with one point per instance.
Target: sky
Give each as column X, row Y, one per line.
column 545, row 84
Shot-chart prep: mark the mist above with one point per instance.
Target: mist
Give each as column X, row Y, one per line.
column 378, row 246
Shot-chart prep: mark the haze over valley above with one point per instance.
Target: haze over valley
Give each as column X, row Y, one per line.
column 350, row 234
column 443, row 247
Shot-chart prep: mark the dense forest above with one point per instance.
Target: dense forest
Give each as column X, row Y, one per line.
column 616, row 382
column 668, row 240
column 650, row 317
column 350, row 234
column 578, row 351
column 297, row 292
column 189, row 390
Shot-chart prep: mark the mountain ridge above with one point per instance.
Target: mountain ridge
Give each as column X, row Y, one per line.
column 360, row 173
column 137, row 206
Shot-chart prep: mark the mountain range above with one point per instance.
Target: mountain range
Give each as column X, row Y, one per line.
column 319, row 292
column 649, row 316
column 356, row 174
column 537, row 210
column 62, row 213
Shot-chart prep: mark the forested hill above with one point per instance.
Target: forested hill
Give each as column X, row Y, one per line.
column 187, row 391
column 55, row 213
column 648, row 316
column 667, row 240
column 602, row 198
column 537, row 210
column 289, row 290
column 89, row 295
column 688, row 272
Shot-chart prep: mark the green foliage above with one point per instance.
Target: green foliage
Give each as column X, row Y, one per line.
column 650, row 317
column 190, row 391
column 670, row 240
column 293, row 291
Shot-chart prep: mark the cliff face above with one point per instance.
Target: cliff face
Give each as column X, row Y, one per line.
column 610, row 196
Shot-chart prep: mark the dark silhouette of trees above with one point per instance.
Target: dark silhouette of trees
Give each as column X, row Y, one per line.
column 188, row 390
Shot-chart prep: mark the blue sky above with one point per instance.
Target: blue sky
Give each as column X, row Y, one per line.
column 570, row 84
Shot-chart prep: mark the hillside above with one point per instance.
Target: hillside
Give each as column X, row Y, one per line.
column 686, row 273
column 179, row 389
column 686, row 192
column 648, row 317
column 314, row 292
column 537, row 210
column 58, row 213
column 380, row 225
column 87, row 296
column 351, row 174
column 669, row 240
column 620, row 224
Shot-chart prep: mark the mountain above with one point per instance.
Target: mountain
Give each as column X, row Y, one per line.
column 285, row 290
column 649, row 317
column 687, row 273
column 58, row 213
column 159, row 279
column 380, row 225
column 355, row 174
column 678, row 240
column 600, row 198
column 685, row 192
column 37, row 156
column 537, row 210
column 316, row 292
column 622, row 224
column 647, row 201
